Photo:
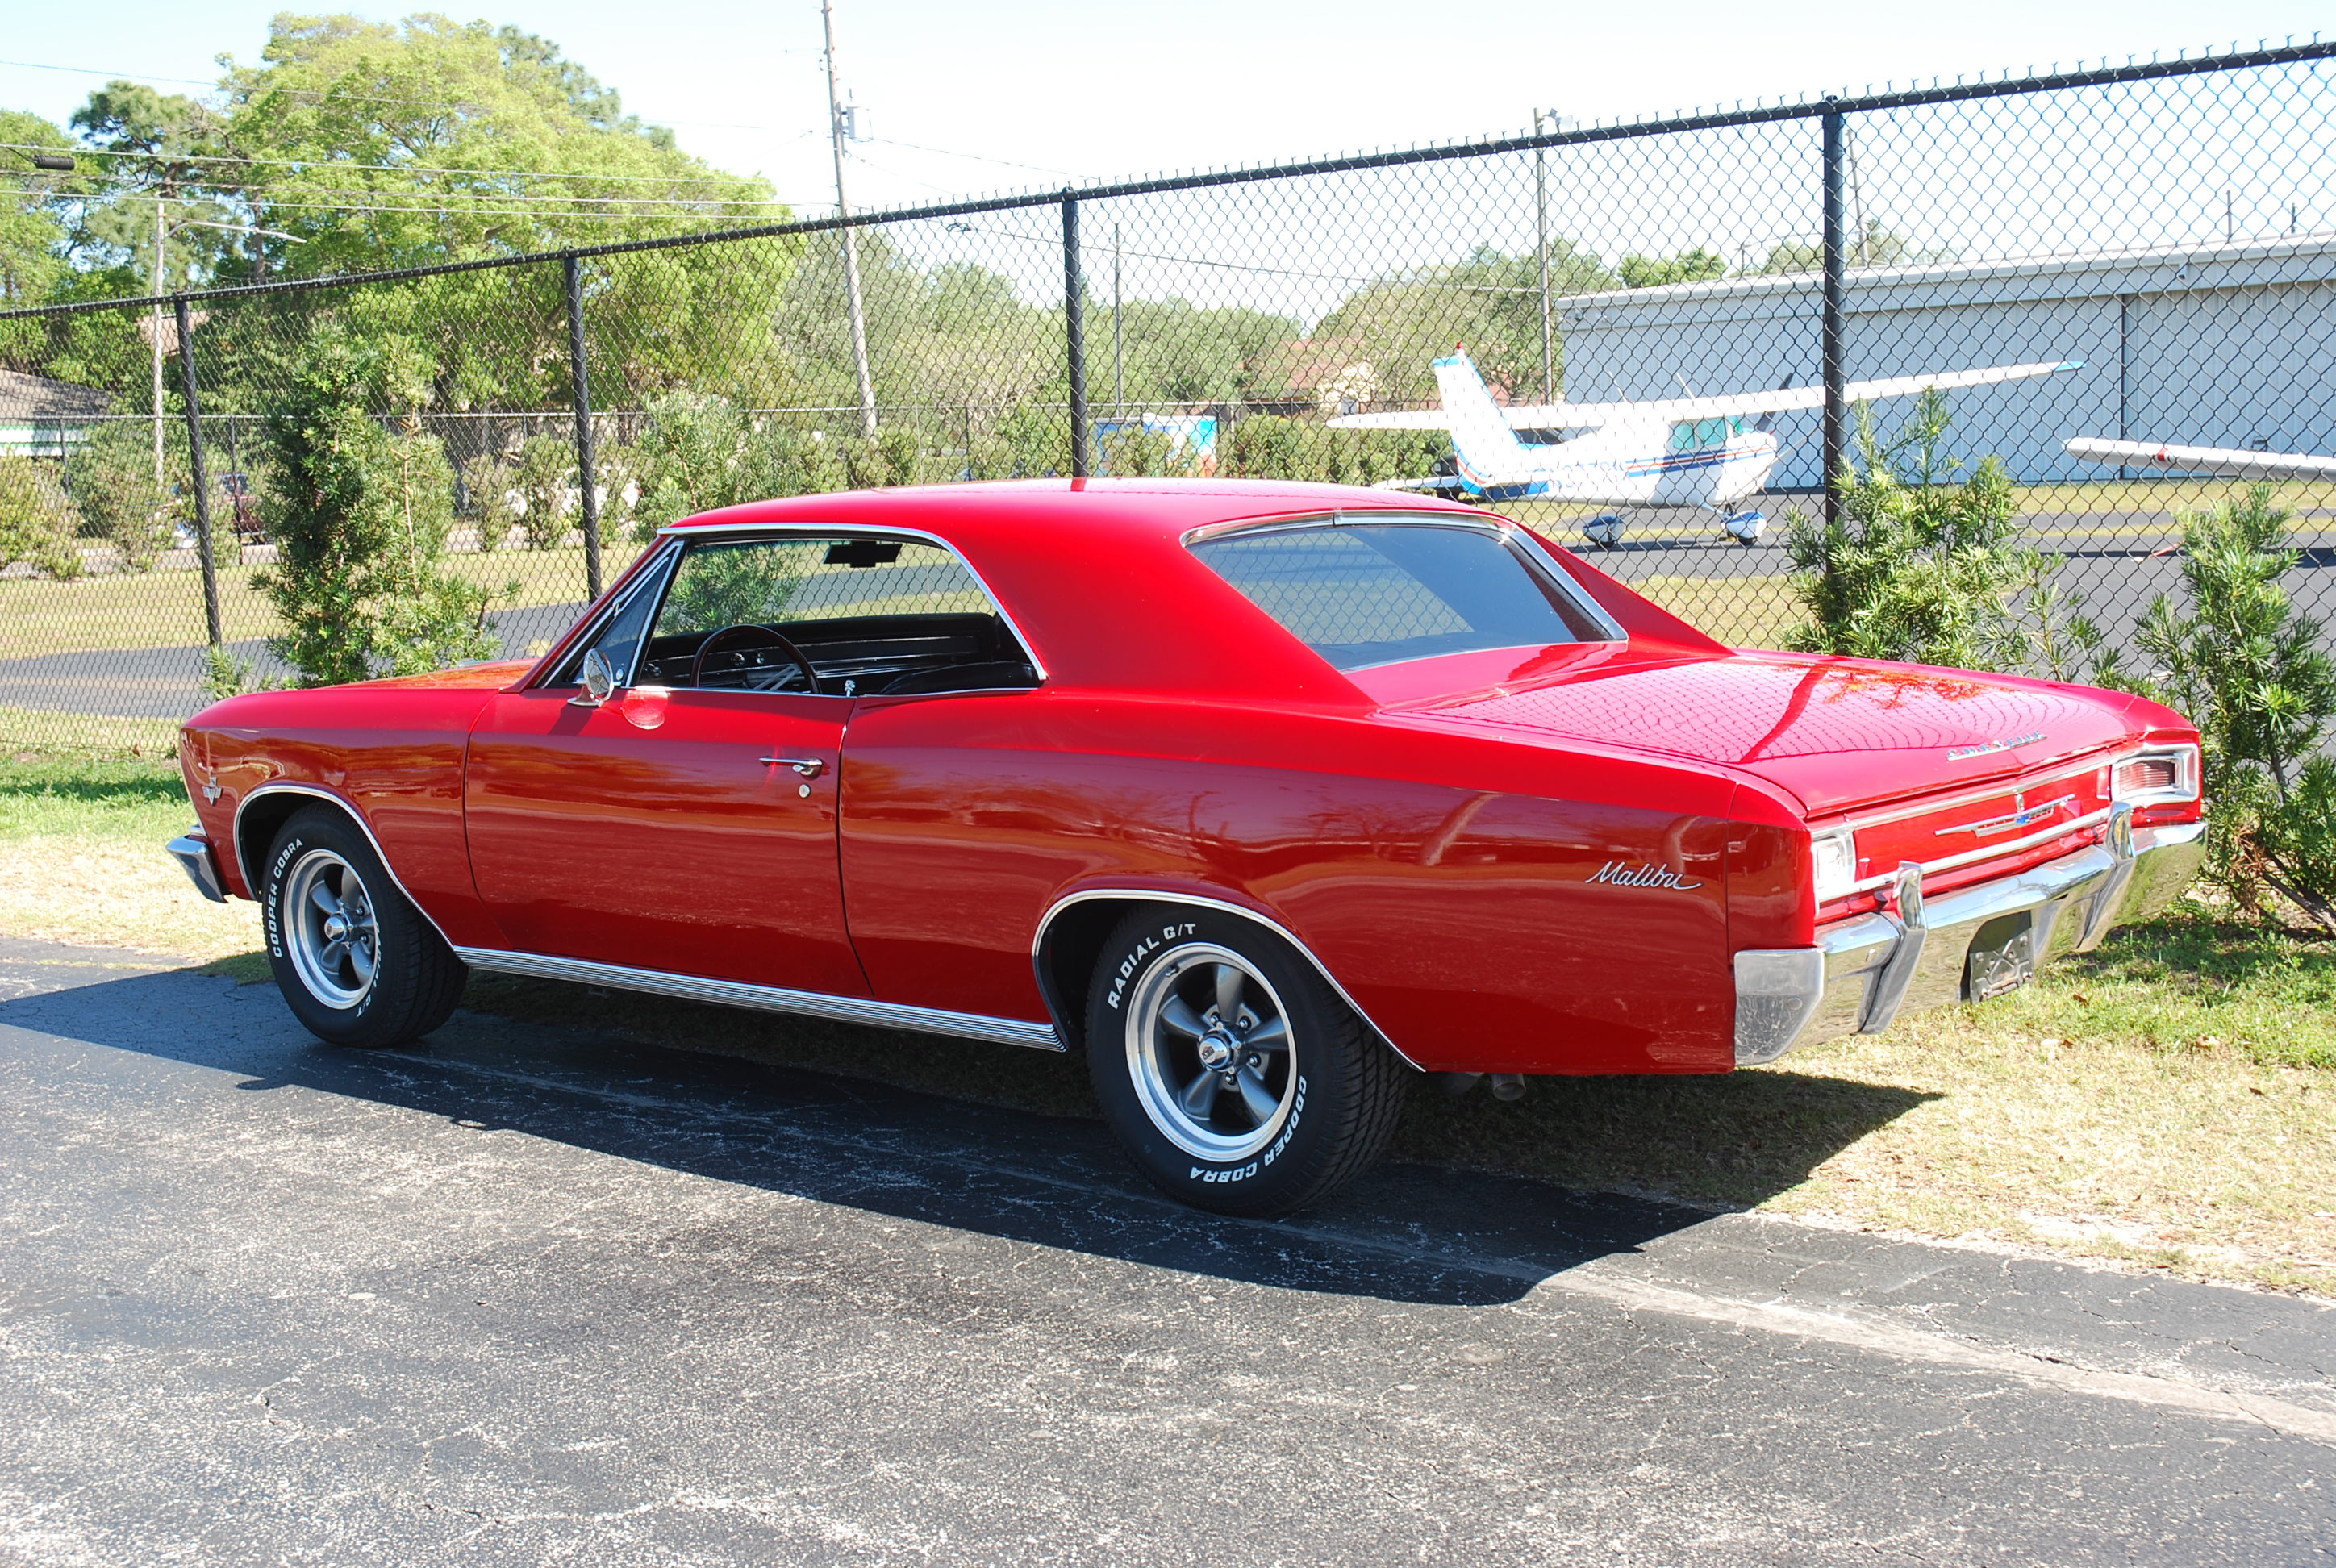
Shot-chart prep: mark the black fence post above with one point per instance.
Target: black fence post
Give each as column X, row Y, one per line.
column 1836, row 245
column 586, row 469
column 199, row 475
column 1075, row 333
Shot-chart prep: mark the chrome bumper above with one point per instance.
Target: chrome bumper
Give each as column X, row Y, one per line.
column 1968, row 945
column 194, row 858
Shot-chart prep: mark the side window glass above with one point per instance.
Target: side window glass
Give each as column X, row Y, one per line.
column 620, row 639
column 858, row 615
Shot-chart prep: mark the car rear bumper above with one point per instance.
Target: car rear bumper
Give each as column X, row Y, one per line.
column 194, row 854
column 1965, row 946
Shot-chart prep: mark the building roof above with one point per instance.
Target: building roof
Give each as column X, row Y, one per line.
column 26, row 398
column 2081, row 275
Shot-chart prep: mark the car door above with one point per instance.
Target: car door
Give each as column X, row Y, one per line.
column 685, row 824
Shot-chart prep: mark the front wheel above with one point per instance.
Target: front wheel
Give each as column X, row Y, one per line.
column 1231, row 1072
column 356, row 960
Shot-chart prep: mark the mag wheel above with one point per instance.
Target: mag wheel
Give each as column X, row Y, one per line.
column 1233, row 1074
column 356, row 960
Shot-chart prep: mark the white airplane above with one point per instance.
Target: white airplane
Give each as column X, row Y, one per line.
column 1701, row 452
column 2233, row 463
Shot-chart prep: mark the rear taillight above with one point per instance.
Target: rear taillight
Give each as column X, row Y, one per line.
column 2162, row 775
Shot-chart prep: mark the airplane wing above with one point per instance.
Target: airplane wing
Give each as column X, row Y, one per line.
column 2234, row 462
column 1669, row 410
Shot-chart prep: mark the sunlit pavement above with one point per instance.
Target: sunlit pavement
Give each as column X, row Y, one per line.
column 523, row 1295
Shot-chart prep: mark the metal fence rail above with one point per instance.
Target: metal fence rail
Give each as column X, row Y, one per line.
column 2163, row 231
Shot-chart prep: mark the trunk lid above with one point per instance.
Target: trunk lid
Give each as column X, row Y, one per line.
column 1839, row 734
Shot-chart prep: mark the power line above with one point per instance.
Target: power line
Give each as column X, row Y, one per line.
column 321, row 163
column 267, row 195
column 976, row 157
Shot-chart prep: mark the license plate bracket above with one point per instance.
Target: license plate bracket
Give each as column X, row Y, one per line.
column 2002, row 957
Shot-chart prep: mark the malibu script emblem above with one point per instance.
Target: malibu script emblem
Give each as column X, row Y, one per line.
column 1641, row 876
column 1960, row 752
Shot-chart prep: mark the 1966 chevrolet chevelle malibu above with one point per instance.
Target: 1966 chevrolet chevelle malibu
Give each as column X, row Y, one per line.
column 1259, row 794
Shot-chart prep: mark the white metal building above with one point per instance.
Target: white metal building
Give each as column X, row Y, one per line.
column 2230, row 346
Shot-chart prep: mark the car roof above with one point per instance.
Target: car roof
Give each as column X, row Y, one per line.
column 1096, row 575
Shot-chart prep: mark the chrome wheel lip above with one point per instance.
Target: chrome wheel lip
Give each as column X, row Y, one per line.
column 330, row 932
column 1156, row 1055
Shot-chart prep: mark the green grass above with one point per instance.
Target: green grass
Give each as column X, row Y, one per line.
column 91, row 796
column 1740, row 611
column 165, row 609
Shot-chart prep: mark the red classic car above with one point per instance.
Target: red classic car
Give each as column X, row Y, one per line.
column 1259, row 794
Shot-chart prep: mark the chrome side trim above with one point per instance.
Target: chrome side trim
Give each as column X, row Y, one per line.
column 244, row 863
column 1977, row 792
column 1988, row 852
column 767, row 998
column 194, row 857
column 1154, row 896
column 685, row 531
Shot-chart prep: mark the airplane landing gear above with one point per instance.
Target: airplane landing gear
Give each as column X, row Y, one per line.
column 1604, row 531
column 1744, row 527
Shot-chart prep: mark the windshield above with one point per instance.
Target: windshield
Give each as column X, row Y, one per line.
column 1365, row 594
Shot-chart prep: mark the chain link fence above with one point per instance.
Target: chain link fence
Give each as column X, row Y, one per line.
column 1693, row 307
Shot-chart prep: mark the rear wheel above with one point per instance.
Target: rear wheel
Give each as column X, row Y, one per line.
column 356, row 960
column 1233, row 1074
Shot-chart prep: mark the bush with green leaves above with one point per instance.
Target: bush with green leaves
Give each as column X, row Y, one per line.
column 38, row 520
column 361, row 510
column 2258, row 680
column 1913, row 566
column 1275, row 446
column 112, row 479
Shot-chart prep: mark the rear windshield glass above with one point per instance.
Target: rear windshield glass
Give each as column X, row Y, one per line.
column 1369, row 594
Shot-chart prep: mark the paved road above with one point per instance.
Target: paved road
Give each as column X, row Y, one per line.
column 527, row 1295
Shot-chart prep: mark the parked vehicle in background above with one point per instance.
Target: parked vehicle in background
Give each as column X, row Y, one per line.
column 1261, row 795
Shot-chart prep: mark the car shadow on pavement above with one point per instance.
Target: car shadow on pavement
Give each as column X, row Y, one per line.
column 1407, row 1233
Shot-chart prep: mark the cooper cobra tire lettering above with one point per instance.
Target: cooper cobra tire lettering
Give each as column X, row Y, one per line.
column 1338, row 1102
column 417, row 980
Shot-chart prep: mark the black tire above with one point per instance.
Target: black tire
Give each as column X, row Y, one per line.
column 416, row 979
column 1335, row 1089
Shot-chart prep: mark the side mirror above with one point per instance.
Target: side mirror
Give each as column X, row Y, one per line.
column 599, row 680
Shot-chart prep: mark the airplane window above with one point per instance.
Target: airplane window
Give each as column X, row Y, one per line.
column 1362, row 594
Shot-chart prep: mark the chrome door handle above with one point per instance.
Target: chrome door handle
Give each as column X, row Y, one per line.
column 808, row 766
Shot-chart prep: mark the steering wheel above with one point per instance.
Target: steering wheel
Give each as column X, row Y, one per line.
column 764, row 636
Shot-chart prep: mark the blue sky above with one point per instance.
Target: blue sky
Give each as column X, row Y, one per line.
column 1043, row 89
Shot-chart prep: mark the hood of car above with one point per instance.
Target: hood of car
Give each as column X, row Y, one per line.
column 1838, row 733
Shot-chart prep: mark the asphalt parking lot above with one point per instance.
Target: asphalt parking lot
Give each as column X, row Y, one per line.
column 526, row 1295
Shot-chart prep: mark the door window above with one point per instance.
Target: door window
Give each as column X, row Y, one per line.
column 847, row 617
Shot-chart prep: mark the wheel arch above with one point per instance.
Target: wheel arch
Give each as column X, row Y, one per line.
column 1071, row 936
column 260, row 816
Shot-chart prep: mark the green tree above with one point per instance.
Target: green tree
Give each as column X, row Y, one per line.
column 33, row 236
column 361, row 513
column 1490, row 302
column 1696, row 266
column 2257, row 679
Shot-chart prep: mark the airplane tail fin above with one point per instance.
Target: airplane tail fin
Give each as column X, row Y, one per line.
column 1488, row 449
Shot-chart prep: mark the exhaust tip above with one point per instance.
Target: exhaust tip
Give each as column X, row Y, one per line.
column 1508, row 1085
column 1457, row 1084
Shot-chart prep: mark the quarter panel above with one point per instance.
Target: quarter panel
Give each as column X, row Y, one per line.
column 1447, row 881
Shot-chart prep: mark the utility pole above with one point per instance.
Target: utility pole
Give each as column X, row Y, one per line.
column 851, row 240
column 162, row 234
column 1540, row 221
